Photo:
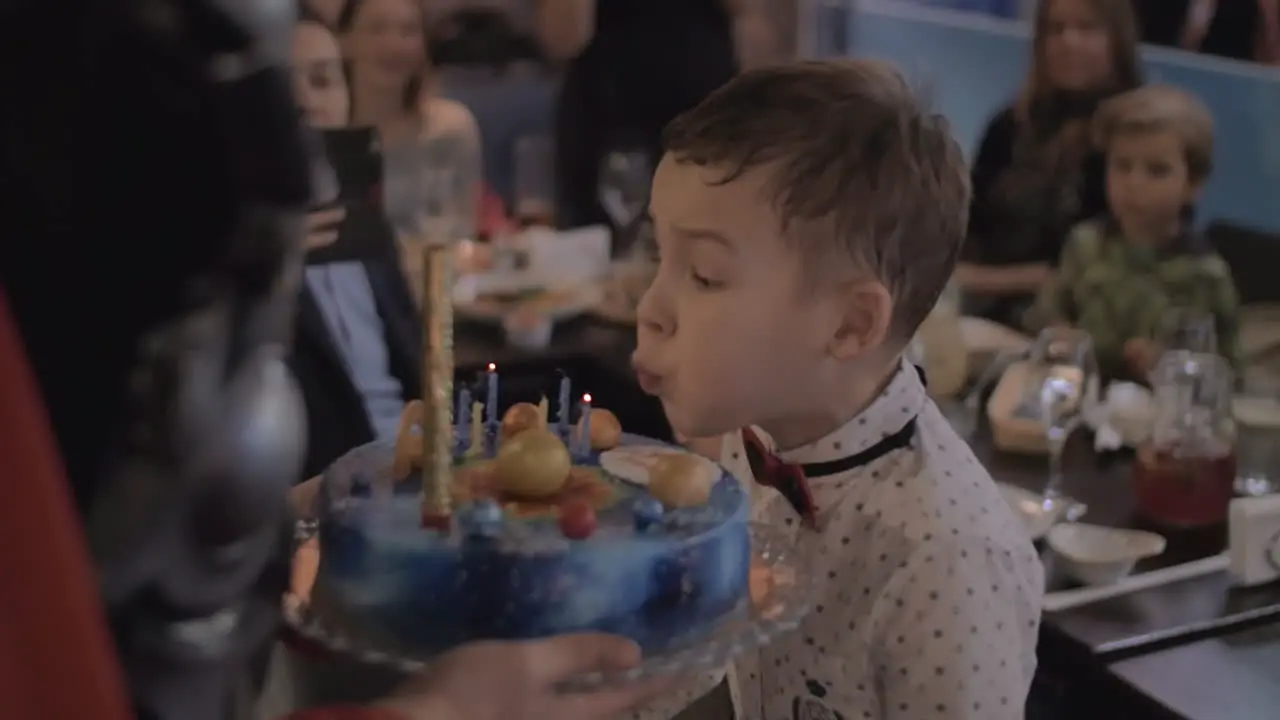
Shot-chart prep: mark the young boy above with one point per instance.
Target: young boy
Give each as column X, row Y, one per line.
column 808, row 216
column 1121, row 275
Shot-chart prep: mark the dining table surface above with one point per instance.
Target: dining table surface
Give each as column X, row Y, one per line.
column 1166, row 652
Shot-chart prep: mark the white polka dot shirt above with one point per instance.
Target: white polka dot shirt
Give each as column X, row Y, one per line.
column 927, row 604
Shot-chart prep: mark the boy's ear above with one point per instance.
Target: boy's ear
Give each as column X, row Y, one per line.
column 863, row 321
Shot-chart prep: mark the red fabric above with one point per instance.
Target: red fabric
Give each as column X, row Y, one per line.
column 492, row 217
column 346, row 712
column 57, row 659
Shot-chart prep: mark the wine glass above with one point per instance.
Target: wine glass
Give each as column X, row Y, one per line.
column 623, row 187
column 439, row 215
column 1067, row 377
column 1189, row 329
column 535, row 182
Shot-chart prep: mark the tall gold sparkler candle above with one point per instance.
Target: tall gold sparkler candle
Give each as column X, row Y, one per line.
column 437, row 384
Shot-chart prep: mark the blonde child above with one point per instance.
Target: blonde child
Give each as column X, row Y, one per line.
column 1121, row 275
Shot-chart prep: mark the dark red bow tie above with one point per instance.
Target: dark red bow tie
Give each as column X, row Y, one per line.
column 789, row 480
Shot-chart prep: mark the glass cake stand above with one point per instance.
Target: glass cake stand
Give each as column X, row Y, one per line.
column 778, row 600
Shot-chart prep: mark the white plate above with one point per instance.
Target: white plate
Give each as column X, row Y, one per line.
column 1256, row 411
column 984, row 336
column 633, row 462
column 1029, row 508
column 557, row 303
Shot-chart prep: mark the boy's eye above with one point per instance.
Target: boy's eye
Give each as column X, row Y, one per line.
column 704, row 282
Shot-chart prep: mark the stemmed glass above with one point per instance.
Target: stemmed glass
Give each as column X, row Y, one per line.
column 623, row 187
column 1187, row 329
column 440, row 214
column 1067, row 375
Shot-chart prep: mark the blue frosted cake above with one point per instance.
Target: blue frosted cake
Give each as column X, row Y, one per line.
column 642, row 539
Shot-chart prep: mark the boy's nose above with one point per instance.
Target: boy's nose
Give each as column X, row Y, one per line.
column 653, row 315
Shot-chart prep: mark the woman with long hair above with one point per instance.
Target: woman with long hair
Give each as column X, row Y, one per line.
column 631, row 67
column 393, row 90
column 1036, row 173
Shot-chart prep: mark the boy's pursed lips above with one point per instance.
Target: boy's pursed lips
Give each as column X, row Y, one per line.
column 650, row 382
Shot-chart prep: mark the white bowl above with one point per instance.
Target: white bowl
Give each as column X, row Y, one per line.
column 528, row 331
column 1030, row 508
column 1097, row 555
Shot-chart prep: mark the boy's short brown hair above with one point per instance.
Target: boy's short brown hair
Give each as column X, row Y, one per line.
column 1156, row 108
column 854, row 156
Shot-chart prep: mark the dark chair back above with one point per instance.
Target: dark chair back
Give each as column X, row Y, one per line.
column 1254, row 258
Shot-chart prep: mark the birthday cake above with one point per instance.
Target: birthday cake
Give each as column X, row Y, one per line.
column 548, row 529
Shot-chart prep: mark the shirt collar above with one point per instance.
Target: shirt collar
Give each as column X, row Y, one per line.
column 900, row 401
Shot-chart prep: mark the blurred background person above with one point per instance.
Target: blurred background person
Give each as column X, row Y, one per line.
column 1036, row 174
column 356, row 340
column 394, row 91
column 1238, row 29
column 325, row 11
column 632, row 66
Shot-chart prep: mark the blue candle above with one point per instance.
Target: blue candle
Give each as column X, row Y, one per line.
column 562, row 408
column 584, row 437
column 491, row 397
column 491, row 441
column 462, row 419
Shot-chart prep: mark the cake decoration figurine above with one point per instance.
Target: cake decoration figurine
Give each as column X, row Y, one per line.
column 481, row 519
column 577, row 520
column 680, row 480
column 533, row 464
column 648, row 512
column 601, row 427
column 518, row 418
column 437, row 386
column 408, row 453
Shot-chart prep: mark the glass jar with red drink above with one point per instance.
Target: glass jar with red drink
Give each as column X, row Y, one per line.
column 1184, row 475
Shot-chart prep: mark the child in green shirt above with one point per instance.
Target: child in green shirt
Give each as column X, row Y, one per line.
column 1121, row 275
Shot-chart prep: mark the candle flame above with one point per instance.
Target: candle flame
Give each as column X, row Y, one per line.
column 586, row 397
column 492, row 367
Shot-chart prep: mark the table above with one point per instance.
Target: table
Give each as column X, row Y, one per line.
column 1077, row 646
column 1131, row 624
column 1233, row 677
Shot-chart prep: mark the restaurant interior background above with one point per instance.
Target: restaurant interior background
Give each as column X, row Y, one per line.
column 968, row 55
column 1195, row 648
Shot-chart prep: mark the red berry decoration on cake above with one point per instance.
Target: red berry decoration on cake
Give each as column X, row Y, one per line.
column 577, row 520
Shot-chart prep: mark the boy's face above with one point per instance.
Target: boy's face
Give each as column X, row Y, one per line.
column 729, row 333
column 1147, row 182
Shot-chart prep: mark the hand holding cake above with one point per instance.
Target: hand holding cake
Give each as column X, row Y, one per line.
column 461, row 686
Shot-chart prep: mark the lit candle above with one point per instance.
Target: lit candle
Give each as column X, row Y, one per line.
column 491, row 397
column 584, row 437
column 476, row 444
column 563, row 409
column 542, row 412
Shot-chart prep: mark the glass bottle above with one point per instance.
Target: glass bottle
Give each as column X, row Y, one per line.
column 1184, row 475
